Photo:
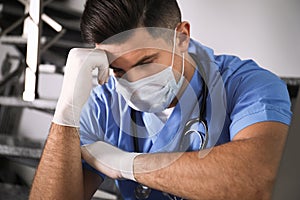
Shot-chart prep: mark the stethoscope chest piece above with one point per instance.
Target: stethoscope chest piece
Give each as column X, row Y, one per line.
column 142, row 192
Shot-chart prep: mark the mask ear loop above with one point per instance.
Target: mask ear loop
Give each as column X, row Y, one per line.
column 173, row 54
column 183, row 67
column 174, row 47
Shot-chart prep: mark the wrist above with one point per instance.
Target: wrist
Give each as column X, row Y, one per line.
column 127, row 165
column 66, row 114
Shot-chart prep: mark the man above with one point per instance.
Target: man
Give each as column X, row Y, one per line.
column 132, row 127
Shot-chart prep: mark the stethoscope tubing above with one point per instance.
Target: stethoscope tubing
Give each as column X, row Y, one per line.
column 201, row 120
column 187, row 130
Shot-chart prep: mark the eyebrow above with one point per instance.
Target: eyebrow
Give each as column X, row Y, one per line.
column 140, row 62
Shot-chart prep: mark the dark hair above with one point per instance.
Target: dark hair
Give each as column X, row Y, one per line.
column 102, row 19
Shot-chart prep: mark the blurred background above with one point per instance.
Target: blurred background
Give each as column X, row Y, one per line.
column 36, row 35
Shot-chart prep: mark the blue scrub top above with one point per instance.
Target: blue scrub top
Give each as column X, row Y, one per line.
column 240, row 94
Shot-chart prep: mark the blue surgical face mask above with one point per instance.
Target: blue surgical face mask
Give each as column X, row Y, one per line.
column 154, row 93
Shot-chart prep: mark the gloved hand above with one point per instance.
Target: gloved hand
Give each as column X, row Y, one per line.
column 77, row 83
column 109, row 160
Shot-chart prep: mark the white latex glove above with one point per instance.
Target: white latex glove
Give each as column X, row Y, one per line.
column 109, row 160
column 77, row 83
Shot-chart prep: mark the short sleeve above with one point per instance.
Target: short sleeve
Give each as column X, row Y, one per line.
column 90, row 128
column 257, row 95
column 90, row 120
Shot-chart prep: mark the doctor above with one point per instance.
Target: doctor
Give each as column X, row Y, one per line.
column 132, row 126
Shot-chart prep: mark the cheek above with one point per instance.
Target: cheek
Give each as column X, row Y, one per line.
column 165, row 59
column 178, row 64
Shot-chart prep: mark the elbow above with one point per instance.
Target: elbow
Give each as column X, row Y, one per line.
column 260, row 187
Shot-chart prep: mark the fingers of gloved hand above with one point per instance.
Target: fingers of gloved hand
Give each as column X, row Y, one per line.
column 86, row 58
column 91, row 59
column 103, row 68
column 103, row 75
column 77, row 84
column 99, row 162
column 110, row 160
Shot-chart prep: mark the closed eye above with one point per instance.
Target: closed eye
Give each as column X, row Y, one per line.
column 117, row 71
column 143, row 61
column 146, row 60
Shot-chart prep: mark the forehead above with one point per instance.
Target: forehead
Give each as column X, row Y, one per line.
column 137, row 42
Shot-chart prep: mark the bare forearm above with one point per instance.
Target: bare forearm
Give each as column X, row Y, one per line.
column 59, row 174
column 238, row 170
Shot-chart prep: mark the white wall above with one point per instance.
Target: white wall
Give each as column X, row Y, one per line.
column 267, row 31
column 77, row 5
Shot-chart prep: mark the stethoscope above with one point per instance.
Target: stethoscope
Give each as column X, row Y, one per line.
column 142, row 191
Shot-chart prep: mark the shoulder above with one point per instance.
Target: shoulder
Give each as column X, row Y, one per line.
column 238, row 74
column 252, row 94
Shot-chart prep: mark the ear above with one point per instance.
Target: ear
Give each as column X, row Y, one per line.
column 183, row 35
